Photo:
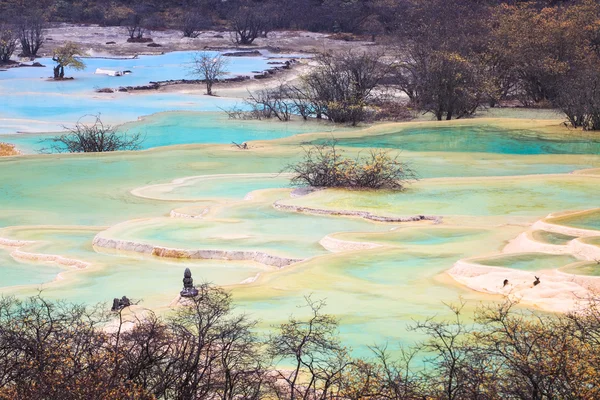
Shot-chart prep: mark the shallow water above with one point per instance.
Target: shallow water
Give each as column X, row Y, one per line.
column 173, row 128
column 33, row 103
column 477, row 139
column 488, row 180
column 528, row 262
column 587, row 220
column 589, row 269
column 247, row 227
column 13, row 273
column 510, row 196
column 552, row 237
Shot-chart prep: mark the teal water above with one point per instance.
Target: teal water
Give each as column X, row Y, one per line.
column 220, row 186
column 419, row 237
column 30, row 102
column 400, row 270
column 14, row 273
column 475, row 139
column 552, row 237
column 589, row 220
column 528, row 261
column 587, row 269
column 481, row 197
column 165, row 129
column 375, row 293
column 244, row 227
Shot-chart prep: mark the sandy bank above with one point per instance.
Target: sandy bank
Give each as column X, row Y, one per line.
column 335, row 245
column 557, row 291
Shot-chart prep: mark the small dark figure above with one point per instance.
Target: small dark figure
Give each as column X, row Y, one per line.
column 505, row 283
column 188, row 285
column 241, row 146
column 537, row 281
column 119, row 304
column 125, row 302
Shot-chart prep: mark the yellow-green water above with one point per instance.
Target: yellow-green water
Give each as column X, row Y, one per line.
column 485, row 199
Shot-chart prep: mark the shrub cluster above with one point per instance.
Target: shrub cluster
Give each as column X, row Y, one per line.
column 94, row 137
column 324, row 165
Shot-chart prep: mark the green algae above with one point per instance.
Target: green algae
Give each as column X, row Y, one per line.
column 551, row 237
column 584, row 220
column 585, row 268
column 528, row 261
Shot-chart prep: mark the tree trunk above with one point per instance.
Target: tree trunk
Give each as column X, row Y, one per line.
column 209, row 88
column 57, row 72
column 62, row 72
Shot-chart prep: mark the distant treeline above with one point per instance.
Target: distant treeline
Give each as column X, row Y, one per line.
column 206, row 350
column 353, row 16
column 450, row 57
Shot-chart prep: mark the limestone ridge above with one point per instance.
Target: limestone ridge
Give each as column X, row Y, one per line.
column 159, row 251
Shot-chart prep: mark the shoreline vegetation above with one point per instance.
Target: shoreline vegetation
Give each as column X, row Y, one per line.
column 8, row 150
column 205, row 349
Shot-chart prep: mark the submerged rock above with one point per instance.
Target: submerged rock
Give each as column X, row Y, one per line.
column 253, row 53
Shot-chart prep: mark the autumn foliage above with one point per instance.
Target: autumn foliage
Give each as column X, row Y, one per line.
column 207, row 350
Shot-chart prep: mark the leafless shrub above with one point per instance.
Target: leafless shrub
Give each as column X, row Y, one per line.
column 271, row 103
column 91, row 138
column 324, row 165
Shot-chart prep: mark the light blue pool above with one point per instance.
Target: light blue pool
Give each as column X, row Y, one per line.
column 31, row 102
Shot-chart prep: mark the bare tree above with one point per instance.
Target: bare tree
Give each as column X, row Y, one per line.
column 136, row 24
column 8, row 42
column 31, row 34
column 248, row 23
column 579, row 95
column 218, row 356
column 209, row 67
column 342, row 84
column 92, row 138
column 192, row 23
column 340, row 88
column 314, row 349
column 269, row 103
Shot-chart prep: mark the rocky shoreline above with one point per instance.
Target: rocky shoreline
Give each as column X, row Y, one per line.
column 268, row 73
